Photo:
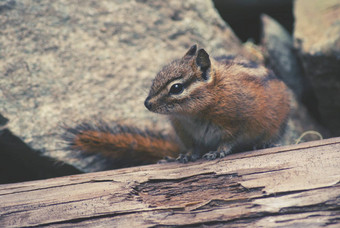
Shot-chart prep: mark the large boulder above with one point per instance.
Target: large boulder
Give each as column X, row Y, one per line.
column 62, row 62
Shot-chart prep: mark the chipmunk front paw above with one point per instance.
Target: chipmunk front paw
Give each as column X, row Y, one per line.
column 184, row 158
column 220, row 153
column 212, row 155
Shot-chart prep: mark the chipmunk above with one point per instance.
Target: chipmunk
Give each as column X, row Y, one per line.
column 216, row 106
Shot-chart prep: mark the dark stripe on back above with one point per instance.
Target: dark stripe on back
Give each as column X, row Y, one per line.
column 231, row 59
column 226, row 59
column 247, row 64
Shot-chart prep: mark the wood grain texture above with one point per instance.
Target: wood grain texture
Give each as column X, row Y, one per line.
column 295, row 186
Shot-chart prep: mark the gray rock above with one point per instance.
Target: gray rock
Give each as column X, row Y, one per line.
column 279, row 47
column 317, row 37
column 62, row 62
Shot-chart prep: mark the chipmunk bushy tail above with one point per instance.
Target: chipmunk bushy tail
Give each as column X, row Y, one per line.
column 124, row 145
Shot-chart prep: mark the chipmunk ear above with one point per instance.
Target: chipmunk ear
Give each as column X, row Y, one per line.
column 191, row 52
column 203, row 61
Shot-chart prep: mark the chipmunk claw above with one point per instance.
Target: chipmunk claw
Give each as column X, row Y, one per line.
column 212, row 155
column 183, row 158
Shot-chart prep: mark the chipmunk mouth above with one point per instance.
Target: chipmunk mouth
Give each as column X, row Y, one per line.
column 156, row 108
column 163, row 109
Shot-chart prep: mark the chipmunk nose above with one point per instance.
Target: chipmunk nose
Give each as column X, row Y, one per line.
column 147, row 103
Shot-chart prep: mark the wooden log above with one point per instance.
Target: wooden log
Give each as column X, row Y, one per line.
column 292, row 186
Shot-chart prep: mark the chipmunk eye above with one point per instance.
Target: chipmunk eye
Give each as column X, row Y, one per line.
column 176, row 88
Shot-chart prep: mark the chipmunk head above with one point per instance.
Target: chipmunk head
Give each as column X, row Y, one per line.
column 180, row 87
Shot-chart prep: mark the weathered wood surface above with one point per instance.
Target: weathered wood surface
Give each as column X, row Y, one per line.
column 293, row 186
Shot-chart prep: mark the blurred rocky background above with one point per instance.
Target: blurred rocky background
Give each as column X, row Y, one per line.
column 64, row 62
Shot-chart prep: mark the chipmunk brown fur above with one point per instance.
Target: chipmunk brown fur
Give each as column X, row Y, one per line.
column 216, row 106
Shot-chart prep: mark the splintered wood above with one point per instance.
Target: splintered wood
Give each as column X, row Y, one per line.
column 295, row 186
